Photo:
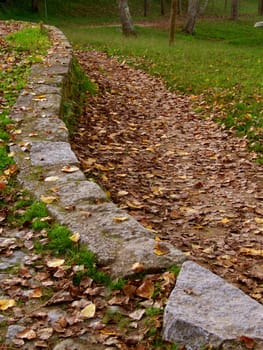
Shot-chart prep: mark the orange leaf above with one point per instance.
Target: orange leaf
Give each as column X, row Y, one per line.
column 160, row 249
column 249, row 342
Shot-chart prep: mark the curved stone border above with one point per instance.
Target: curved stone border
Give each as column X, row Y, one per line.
column 49, row 169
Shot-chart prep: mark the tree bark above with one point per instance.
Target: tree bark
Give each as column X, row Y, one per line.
column 162, row 8
column 192, row 14
column 126, row 19
column 234, row 9
column 35, row 6
column 202, row 7
column 145, row 8
column 172, row 21
column 260, row 7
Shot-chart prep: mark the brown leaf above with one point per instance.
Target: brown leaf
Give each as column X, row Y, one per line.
column 146, row 289
column 26, row 333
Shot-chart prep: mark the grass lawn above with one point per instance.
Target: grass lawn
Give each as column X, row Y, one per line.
column 222, row 62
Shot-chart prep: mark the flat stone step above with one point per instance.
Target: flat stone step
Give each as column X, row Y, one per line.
column 204, row 310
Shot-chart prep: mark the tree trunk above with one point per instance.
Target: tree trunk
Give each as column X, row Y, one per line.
column 192, row 14
column 126, row 20
column 260, row 7
column 172, row 21
column 35, row 6
column 234, row 9
column 203, row 7
column 225, row 7
column 145, row 8
column 162, row 8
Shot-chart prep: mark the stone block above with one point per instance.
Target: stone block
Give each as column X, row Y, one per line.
column 204, row 310
column 52, row 153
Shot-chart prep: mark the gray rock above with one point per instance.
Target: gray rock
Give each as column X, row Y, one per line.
column 55, row 314
column 12, row 332
column 119, row 244
column 13, row 260
column 203, row 309
column 52, row 153
column 74, row 192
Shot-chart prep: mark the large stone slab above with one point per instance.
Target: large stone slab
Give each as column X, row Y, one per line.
column 204, row 310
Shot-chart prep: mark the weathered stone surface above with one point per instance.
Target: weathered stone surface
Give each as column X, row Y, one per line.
column 74, row 192
column 49, row 128
column 204, row 309
column 12, row 332
column 13, row 260
column 117, row 243
column 42, row 149
column 51, row 153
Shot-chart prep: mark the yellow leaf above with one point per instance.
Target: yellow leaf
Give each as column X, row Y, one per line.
column 6, row 303
column 225, row 221
column 259, row 220
column 252, row 251
column 89, row 311
column 75, row 237
column 48, row 199
column 120, row 219
column 160, row 249
column 55, row 262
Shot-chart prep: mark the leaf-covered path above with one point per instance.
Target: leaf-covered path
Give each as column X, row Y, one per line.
column 190, row 181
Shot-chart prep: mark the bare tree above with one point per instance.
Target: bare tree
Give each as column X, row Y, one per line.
column 126, row 19
column 35, row 6
column 234, row 9
column 260, row 7
column 172, row 21
column 192, row 14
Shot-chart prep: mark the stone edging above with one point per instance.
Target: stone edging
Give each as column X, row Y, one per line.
column 45, row 160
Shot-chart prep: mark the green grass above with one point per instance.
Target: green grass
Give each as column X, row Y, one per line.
column 222, row 62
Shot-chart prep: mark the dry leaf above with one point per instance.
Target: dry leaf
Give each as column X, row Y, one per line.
column 69, row 169
column 225, row 221
column 26, row 333
column 160, row 249
column 137, row 267
column 55, row 262
column 51, row 178
column 122, row 193
column 259, row 220
column 75, row 237
column 146, row 289
column 252, row 251
column 120, row 219
column 6, row 303
column 37, row 293
column 249, row 342
column 89, row 311
column 48, row 199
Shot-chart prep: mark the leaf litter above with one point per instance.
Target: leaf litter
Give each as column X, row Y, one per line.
column 150, row 171
column 190, row 181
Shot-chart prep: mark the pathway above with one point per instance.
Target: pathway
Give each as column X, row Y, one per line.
column 183, row 176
